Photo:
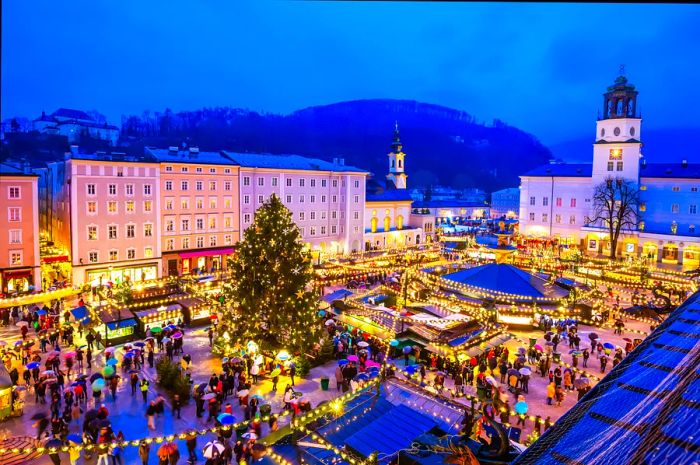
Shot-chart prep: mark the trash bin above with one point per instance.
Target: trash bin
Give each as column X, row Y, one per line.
column 265, row 410
column 556, row 357
column 324, row 383
column 533, row 341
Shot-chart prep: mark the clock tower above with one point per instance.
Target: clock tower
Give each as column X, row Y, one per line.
column 617, row 146
column 396, row 161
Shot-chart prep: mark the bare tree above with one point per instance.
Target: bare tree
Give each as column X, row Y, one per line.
column 615, row 207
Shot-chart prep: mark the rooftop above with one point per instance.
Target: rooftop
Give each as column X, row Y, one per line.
column 644, row 411
column 185, row 156
column 571, row 170
column 288, row 162
column 447, row 204
column 670, row 170
column 379, row 190
column 72, row 114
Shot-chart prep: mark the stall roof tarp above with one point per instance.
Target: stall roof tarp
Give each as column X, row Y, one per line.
column 121, row 324
column 190, row 302
column 336, row 295
column 79, row 312
column 151, row 311
column 501, row 277
column 644, row 411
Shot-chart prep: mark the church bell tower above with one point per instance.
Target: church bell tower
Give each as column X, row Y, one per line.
column 617, row 147
column 396, row 161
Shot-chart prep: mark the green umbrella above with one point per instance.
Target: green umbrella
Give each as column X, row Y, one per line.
column 275, row 372
column 156, row 329
column 108, row 371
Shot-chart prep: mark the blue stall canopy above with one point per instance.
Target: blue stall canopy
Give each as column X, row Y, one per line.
column 81, row 315
column 114, row 325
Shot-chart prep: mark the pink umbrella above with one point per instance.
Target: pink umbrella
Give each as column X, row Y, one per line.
column 70, row 354
column 538, row 347
column 177, row 335
column 352, row 358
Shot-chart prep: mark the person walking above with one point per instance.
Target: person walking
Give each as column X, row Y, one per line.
column 177, row 405
column 551, row 391
column 255, row 371
column 192, row 448
column 603, row 363
column 292, row 372
column 210, row 334
column 586, row 356
column 144, row 452
column 151, row 415
column 144, row 389
column 134, row 381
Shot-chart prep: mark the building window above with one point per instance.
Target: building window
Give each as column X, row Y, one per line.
column 619, row 166
column 113, row 255
column 355, row 215
column 129, row 206
column 227, row 203
column 227, row 239
column 93, row 257
column 312, row 215
column 112, row 231
column 246, row 180
column 691, row 229
column 185, row 225
column 212, row 222
column 15, row 236
column 334, row 215
column 227, row 185
column 532, row 216
column 91, row 189
column 676, row 188
column 227, row 170
column 334, row 199
column 169, row 225
column 675, row 208
column 302, row 231
column 301, row 182
column 212, row 185
column 199, row 203
column 261, row 181
column 674, row 228
column 168, row 185
column 313, row 183
column 169, row 204
column 131, row 253
column 544, row 217
column 357, row 183
column 357, row 199
column 212, row 203
column 246, row 218
column 641, row 225
column 261, row 199
column 112, row 189
column 313, row 199
column 246, row 199
column 199, row 222
column 112, row 207
column 642, row 206
column 185, row 242
column 323, row 183
column 323, row 230
column 274, row 182
column 301, row 216
column 301, row 199
column 323, row 215
column 92, row 233
column 200, row 242
column 532, row 201
column 572, row 219
column 611, row 165
column 130, row 230
column 692, row 209
column 334, row 183
column 323, row 199
column 199, row 186
column 184, row 169
column 185, row 203
column 289, row 199
column 289, row 182
column 312, row 231
column 693, row 189
column 129, row 189
column 212, row 241
column 545, row 201
column 148, row 230
column 558, row 202
column 13, row 192
column 168, row 169
column 198, row 169
column 557, row 218
column 147, row 206
column 228, row 222
column 212, row 170
column 92, row 207
column 184, row 185
column 148, row 252
column 573, row 203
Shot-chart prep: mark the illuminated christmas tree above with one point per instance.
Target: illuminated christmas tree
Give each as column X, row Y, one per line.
column 270, row 299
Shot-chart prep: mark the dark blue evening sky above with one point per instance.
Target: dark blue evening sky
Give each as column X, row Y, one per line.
column 541, row 67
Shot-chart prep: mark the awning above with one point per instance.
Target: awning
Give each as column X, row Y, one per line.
column 81, row 315
column 207, row 253
column 54, row 259
column 17, row 274
column 113, row 325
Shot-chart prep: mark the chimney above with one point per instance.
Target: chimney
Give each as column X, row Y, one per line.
column 27, row 167
column 335, row 161
column 74, row 149
column 684, row 163
column 341, row 161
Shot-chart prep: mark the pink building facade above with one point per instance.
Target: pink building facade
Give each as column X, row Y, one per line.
column 113, row 213
column 20, row 268
column 200, row 210
column 326, row 198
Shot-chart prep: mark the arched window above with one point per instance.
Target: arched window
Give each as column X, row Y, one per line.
column 393, row 163
column 387, row 223
column 619, row 108
column 399, row 163
column 630, row 108
column 399, row 222
column 374, row 224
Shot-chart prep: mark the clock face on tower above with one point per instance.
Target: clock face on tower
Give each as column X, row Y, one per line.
column 632, row 131
column 616, row 131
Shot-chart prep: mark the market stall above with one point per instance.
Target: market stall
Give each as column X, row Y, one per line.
column 117, row 325
column 160, row 316
column 5, row 393
column 195, row 311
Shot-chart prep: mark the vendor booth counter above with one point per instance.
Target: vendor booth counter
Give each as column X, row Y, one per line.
column 160, row 316
column 195, row 312
column 117, row 325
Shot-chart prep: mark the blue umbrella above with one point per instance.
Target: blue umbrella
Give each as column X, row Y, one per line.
column 520, row 408
column 410, row 369
column 394, row 343
column 321, row 313
column 112, row 362
column 41, row 312
column 75, row 438
column 139, row 344
column 362, row 377
column 373, row 370
column 32, row 365
column 169, row 327
column 609, row 345
column 128, row 355
column 373, row 374
column 226, row 419
column 407, row 350
column 342, row 362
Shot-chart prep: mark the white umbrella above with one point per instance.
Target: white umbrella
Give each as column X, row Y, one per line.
column 362, row 344
column 491, row 380
column 329, row 322
column 212, row 449
column 250, row 435
column 21, row 323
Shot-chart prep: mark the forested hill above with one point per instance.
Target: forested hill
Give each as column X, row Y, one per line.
column 443, row 145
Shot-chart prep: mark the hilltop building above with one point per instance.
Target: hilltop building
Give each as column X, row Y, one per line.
column 74, row 124
column 556, row 199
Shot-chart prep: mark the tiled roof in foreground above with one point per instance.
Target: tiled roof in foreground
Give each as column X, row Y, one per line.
column 645, row 411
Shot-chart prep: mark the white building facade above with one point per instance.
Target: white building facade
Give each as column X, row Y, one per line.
column 556, row 199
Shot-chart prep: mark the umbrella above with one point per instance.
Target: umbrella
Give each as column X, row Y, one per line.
column 373, row 369
column 38, row 416
column 108, row 371
column 212, row 449
column 156, row 329
column 329, row 322
column 593, row 336
column 520, row 408
column 525, row 371
column 243, row 393
column 626, row 339
column 167, row 449
column 41, row 312
column 166, row 340
column 275, row 372
column 250, row 435
column 362, row 344
column 394, row 343
column 609, row 345
column 139, row 344
column 362, row 377
column 129, row 355
column 170, row 327
column 580, row 383
column 491, row 380
column 112, row 362
column 109, row 350
column 202, row 387
column 98, row 385
column 211, row 395
column 513, row 371
column 411, row 369
column 342, row 362
column 236, row 360
column 576, row 353
column 177, row 335
column 84, row 377
column 407, row 350
column 225, row 419
column 70, row 354
column 53, row 443
column 32, row 365
column 48, row 373
column 75, row 438
column 522, row 350
column 352, row 358
column 20, row 324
